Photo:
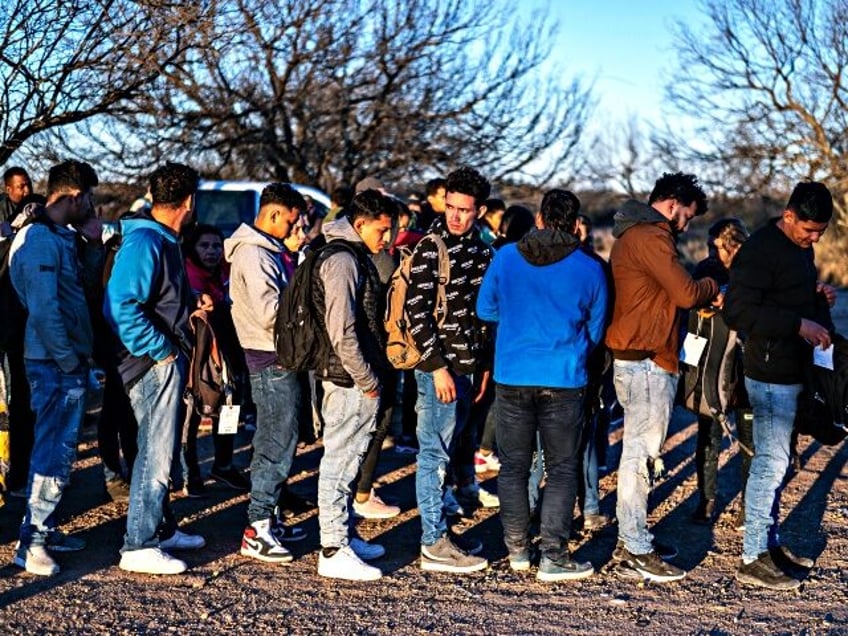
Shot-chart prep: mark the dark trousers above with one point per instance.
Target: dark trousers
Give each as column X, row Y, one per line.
column 117, row 430
column 21, row 420
column 709, row 447
column 375, row 446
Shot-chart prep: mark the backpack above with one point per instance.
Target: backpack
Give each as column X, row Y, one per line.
column 400, row 346
column 823, row 404
column 301, row 341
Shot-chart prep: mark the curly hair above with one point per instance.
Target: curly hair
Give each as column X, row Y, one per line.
column 466, row 180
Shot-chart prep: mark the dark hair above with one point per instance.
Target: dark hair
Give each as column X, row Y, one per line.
column 493, row 205
column 433, row 185
column 172, row 184
column 811, row 201
column 342, row 196
column 684, row 188
column 71, row 175
column 372, row 204
column 516, row 222
column 194, row 237
column 559, row 209
column 282, row 194
column 466, row 180
column 14, row 171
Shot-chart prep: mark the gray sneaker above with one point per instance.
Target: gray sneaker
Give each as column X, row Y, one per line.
column 563, row 569
column 36, row 560
column 764, row 573
column 444, row 556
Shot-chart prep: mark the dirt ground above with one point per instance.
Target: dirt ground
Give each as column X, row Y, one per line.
column 224, row 592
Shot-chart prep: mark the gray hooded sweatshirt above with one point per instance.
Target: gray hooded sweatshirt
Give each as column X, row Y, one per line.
column 257, row 281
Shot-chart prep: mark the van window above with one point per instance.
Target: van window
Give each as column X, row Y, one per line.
column 226, row 209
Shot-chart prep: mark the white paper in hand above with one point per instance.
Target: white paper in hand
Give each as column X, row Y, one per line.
column 823, row 357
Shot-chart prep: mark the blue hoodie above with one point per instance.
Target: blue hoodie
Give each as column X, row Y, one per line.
column 148, row 299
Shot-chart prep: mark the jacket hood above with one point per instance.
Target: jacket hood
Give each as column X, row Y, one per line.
column 128, row 226
column 635, row 213
column 543, row 247
column 341, row 229
column 248, row 235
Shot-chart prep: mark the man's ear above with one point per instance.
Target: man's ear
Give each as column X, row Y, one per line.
column 789, row 217
column 540, row 224
column 481, row 211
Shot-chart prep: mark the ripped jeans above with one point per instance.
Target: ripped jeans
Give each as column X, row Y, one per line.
column 58, row 400
column 646, row 393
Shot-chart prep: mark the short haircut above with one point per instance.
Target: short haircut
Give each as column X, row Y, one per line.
column 466, row 180
column 684, row 188
column 14, row 171
column 71, row 175
column 433, row 186
column 559, row 209
column 282, row 194
column 516, row 222
column 493, row 205
column 342, row 196
column 372, row 204
column 172, row 184
column 811, row 201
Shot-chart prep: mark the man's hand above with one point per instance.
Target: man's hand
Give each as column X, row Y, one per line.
column 373, row 395
column 828, row 291
column 167, row 360
column 205, row 302
column 814, row 333
column 482, row 385
column 444, row 385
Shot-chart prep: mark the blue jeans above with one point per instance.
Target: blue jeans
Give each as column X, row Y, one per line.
column 589, row 486
column 58, row 400
column 438, row 425
column 774, row 407
column 157, row 401
column 349, row 421
column 557, row 415
column 646, row 393
column 276, row 393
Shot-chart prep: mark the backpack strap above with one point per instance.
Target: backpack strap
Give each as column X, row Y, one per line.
column 440, row 309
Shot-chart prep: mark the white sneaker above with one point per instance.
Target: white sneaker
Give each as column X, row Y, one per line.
column 260, row 542
column 366, row 551
column 474, row 492
column 151, row 561
column 486, row 463
column 36, row 560
column 182, row 541
column 344, row 564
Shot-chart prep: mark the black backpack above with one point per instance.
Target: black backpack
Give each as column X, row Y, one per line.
column 300, row 338
column 823, row 404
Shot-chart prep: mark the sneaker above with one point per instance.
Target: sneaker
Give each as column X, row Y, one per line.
column 705, row 513
column 195, row 489
column 36, row 560
column 519, row 560
column 118, row 490
column 663, row 551
column 484, row 463
column 476, row 494
column 344, row 564
column 467, row 544
column 151, row 561
column 651, row 567
column 783, row 556
column 292, row 505
column 374, row 508
column 58, row 541
column 231, row 477
column 563, row 569
column 595, row 521
column 287, row 534
column 260, row 542
column 366, row 551
column 764, row 573
column 444, row 556
column 451, row 505
column 182, row 541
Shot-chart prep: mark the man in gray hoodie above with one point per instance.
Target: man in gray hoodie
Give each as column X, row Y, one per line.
column 257, row 281
column 348, row 298
column 58, row 341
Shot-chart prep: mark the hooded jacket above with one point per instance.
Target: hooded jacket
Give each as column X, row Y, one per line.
column 462, row 342
column 257, row 281
column 549, row 299
column 148, row 299
column 650, row 286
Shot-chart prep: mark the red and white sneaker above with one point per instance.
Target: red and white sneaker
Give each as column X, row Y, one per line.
column 486, row 463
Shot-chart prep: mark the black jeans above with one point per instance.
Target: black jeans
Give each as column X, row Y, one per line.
column 709, row 446
column 558, row 416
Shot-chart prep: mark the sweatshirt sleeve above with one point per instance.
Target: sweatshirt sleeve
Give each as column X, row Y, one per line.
column 264, row 284
column 339, row 275
column 421, row 301
column 598, row 310
column 487, row 298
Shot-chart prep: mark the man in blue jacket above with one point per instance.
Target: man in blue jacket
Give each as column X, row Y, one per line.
column 147, row 304
column 549, row 300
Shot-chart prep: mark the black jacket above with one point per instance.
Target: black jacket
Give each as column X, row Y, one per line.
column 772, row 287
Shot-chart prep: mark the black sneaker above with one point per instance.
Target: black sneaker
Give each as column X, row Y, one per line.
column 764, row 573
column 651, row 567
column 663, row 551
column 444, row 556
column 195, row 489
column 563, row 569
column 286, row 534
column 705, row 513
column 231, row 477
column 784, row 559
column 292, row 505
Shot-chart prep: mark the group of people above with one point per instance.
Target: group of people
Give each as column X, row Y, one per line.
column 528, row 309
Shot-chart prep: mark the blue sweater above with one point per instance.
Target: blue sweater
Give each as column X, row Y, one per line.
column 550, row 316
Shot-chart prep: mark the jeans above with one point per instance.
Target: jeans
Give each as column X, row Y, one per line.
column 276, row 393
column 589, row 493
column 58, row 400
column 349, row 420
column 646, row 393
column 774, row 407
column 557, row 415
column 157, row 401
column 438, row 425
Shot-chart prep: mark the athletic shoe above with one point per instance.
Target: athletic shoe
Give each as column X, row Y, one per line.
column 651, row 567
column 182, row 541
column 476, row 494
column 344, row 564
column 663, row 551
column 58, row 541
column 595, row 521
column 292, row 505
column 151, row 561
column 519, row 560
column 783, row 556
column 286, row 534
column 451, row 505
column 764, row 573
column 260, row 542
column 231, row 477
column 366, row 551
column 444, row 556
column 563, row 569
column 374, row 508
column 486, row 463
column 36, row 560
